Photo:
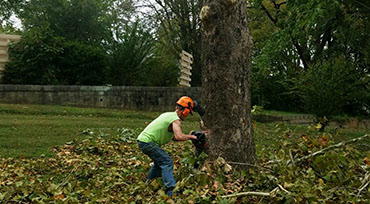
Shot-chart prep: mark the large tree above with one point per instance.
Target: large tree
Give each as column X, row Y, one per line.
column 226, row 49
column 75, row 20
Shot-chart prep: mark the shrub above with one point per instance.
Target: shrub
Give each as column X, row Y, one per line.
column 82, row 64
column 334, row 87
column 43, row 58
column 35, row 59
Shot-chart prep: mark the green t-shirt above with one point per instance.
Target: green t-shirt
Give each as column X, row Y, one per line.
column 157, row 130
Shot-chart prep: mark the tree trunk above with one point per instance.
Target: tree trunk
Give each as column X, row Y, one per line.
column 226, row 64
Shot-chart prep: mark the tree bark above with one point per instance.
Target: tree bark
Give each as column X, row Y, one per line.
column 226, row 64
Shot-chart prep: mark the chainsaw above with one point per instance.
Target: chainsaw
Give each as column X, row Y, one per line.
column 200, row 143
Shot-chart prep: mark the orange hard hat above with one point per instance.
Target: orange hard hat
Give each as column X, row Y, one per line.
column 187, row 103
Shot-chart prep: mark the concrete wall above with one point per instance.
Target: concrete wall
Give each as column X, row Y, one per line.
column 145, row 98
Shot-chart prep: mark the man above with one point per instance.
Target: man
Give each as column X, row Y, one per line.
column 161, row 131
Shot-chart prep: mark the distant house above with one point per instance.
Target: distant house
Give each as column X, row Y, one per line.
column 5, row 39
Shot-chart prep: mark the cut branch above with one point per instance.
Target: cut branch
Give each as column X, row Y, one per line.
column 341, row 144
column 281, row 187
column 246, row 194
column 365, row 183
column 253, row 193
column 244, row 164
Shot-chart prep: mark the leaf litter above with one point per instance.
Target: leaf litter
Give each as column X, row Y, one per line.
column 111, row 169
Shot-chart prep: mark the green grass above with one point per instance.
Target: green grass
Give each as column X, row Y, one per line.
column 32, row 130
column 282, row 113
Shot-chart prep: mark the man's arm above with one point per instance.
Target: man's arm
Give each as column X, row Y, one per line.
column 178, row 134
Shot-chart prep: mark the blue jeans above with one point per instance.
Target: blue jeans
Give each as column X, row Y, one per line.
column 163, row 165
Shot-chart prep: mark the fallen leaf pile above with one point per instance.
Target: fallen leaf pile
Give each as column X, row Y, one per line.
column 113, row 170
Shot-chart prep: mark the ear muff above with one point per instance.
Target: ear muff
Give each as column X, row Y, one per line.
column 186, row 111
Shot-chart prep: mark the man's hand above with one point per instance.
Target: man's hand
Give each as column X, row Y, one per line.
column 203, row 128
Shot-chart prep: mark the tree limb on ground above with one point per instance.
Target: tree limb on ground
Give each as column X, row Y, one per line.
column 341, row 144
column 365, row 183
column 245, row 194
column 270, row 194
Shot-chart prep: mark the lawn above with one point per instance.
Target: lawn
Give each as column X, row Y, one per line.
column 31, row 130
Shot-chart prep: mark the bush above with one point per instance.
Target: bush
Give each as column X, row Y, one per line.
column 334, row 87
column 82, row 64
column 43, row 58
column 35, row 59
column 274, row 91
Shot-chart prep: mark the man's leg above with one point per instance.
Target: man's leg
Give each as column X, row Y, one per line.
column 154, row 172
column 163, row 160
column 167, row 175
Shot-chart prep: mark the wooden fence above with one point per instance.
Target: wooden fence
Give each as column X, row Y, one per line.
column 186, row 59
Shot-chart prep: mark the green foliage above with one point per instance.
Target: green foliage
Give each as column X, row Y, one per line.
column 177, row 27
column 43, row 58
column 294, row 39
column 164, row 70
column 132, row 56
column 334, row 87
column 257, row 110
column 83, row 64
column 85, row 21
column 9, row 8
column 35, row 59
column 335, row 175
column 138, row 60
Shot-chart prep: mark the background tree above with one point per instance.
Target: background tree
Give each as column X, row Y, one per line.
column 334, row 87
column 84, row 29
column 34, row 59
column 88, row 28
column 132, row 56
column 76, row 20
column 178, row 28
column 8, row 11
column 294, row 38
column 226, row 49
column 41, row 57
column 8, row 8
